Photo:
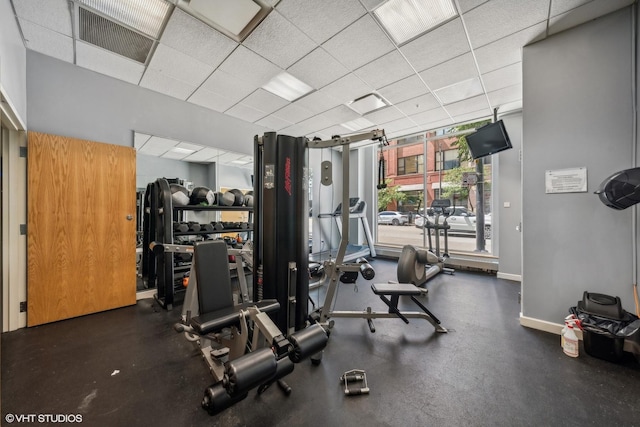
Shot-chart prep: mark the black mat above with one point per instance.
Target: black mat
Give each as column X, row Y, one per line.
column 128, row 367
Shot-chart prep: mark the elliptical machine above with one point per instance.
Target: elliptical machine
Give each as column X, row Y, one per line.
column 417, row 266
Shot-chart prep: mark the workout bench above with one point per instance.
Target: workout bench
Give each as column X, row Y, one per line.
column 395, row 291
column 222, row 329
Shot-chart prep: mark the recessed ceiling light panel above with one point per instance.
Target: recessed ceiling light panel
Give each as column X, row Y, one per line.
column 459, row 91
column 406, row 19
column 236, row 19
column 288, row 87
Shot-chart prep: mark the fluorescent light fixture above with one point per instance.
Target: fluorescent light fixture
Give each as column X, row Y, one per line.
column 235, row 18
column 288, row 87
column 459, row 91
column 367, row 103
column 146, row 16
column 182, row 150
column 358, row 124
column 406, row 19
column 240, row 162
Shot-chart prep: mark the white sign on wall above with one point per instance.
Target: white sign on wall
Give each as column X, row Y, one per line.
column 573, row 180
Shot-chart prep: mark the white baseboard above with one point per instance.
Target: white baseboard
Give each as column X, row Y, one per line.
column 508, row 276
column 543, row 325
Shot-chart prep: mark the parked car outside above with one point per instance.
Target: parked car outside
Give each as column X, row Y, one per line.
column 393, row 218
column 460, row 220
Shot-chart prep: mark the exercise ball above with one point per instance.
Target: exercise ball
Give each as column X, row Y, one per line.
column 179, row 195
column 248, row 199
column 227, row 199
column 202, row 196
column 239, row 197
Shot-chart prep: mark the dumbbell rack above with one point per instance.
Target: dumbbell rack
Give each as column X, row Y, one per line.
column 158, row 270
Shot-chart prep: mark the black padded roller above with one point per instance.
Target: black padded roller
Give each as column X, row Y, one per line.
column 307, row 342
column 367, row 271
column 250, row 370
column 216, row 399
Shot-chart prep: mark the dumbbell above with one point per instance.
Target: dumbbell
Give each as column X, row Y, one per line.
column 207, row 227
column 194, row 226
column 217, row 226
column 180, row 227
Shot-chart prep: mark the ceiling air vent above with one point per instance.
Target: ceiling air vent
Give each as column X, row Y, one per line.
column 114, row 37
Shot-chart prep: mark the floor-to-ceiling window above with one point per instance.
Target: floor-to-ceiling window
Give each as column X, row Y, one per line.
column 428, row 167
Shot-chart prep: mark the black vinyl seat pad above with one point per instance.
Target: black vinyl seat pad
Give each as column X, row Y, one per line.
column 227, row 317
column 395, row 289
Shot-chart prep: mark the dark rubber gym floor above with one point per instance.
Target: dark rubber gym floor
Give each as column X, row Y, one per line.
column 128, row 367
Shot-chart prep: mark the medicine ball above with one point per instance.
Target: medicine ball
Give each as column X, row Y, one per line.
column 239, row 197
column 248, row 199
column 227, row 199
column 203, row 196
column 179, row 195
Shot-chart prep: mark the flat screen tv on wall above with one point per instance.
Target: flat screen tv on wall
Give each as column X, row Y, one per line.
column 488, row 140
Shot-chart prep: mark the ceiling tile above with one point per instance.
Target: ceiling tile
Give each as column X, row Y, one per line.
column 157, row 146
column 404, row 89
column 467, row 5
column 105, row 62
column 189, row 146
column 346, row 89
column 228, row 86
column 52, row 14
column 250, row 67
column 48, row 42
column 503, row 77
column 174, row 155
column 264, row 101
column 213, row 101
column 321, row 20
column 455, row 70
column 398, row 125
column 202, row 155
column 318, row 69
column 585, row 13
column 372, row 4
column 245, row 112
column 192, row 37
column 468, row 105
column 385, row 70
column 496, row 19
column 559, row 7
column 472, row 116
column 384, row 115
column 162, row 83
column 293, row 113
column 438, row 124
column 360, row 43
column 273, row 123
column 335, row 116
column 508, row 50
column 434, row 115
column 418, row 104
column 317, row 102
column 139, row 139
column 179, row 66
column 279, row 41
column 437, row 46
column 505, row 96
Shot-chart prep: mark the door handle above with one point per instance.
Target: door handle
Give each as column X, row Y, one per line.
column 129, row 217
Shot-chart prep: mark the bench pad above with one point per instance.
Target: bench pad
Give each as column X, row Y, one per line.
column 230, row 316
column 395, row 289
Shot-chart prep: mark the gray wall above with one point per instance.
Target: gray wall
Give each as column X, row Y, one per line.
column 13, row 61
column 577, row 112
column 67, row 100
column 509, row 191
column 232, row 177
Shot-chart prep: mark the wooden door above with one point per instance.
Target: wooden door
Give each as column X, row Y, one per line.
column 81, row 231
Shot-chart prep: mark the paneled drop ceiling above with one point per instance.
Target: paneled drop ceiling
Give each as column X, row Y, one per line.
column 457, row 72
